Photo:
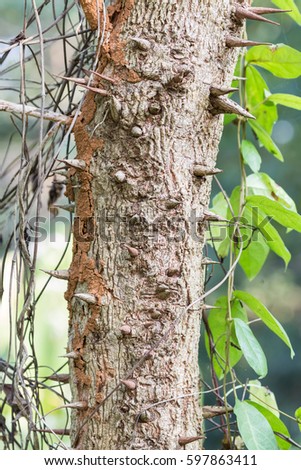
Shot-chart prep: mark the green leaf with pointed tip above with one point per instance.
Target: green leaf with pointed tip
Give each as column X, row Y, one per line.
column 217, row 320
column 276, row 424
column 298, row 416
column 254, row 428
column 263, row 396
column 281, row 60
column 218, row 235
column 270, row 234
column 256, row 103
column 276, row 211
column 290, row 101
column 262, row 184
column 250, row 347
column 268, row 319
column 289, row 5
column 266, row 140
column 251, row 155
column 254, row 256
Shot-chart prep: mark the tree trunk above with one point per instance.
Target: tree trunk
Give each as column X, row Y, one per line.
column 140, row 223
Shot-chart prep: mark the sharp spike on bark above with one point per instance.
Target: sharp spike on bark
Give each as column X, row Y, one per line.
column 88, row 298
column 212, row 216
column 77, row 405
column 223, row 105
column 61, row 274
column 212, row 411
column 79, row 81
column 267, row 11
column 132, row 251
column 183, row 441
column 104, row 77
column 207, row 261
column 239, row 78
column 209, row 307
column 129, row 384
column 219, row 91
column 75, row 163
column 200, row 170
column 99, row 91
column 142, row 44
column 232, row 41
column 126, row 330
column 66, row 207
column 72, row 355
column 246, row 13
column 63, row 378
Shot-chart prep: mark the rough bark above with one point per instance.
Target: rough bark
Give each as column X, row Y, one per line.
column 139, row 227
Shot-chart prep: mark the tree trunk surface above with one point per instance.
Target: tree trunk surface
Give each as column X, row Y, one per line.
column 139, row 226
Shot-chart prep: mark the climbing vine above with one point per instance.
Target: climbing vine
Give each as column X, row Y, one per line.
column 245, row 234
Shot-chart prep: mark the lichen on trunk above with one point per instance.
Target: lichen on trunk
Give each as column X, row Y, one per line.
column 139, row 227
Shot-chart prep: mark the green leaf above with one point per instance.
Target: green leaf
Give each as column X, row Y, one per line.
column 272, row 237
column 250, row 155
column 290, row 101
column 276, row 424
column 276, row 211
column 266, row 140
column 254, row 256
column 254, row 428
column 262, row 312
column 262, row 184
column 256, row 92
column 298, row 416
column 217, row 320
column 229, row 118
column 281, row 60
column 289, row 5
column 218, row 235
column 263, row 396
column 250, row 347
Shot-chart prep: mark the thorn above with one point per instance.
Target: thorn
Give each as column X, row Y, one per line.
column 88, row 298
column 200, row 170
column 136, row 131
column 77, row 405
column 59, row 432
column 223, row 105
column 172, row 203
column 61, row 274
column 142, row 44
column 267, row 11
column 247, row 13
column 206, row 261
column 183, row 441
column 212, row 411
column 72, row 355
column 232, row 41
column 129, row 384
column 126, row 330
column 239, row 78
column 208, row 307
column 60, row 172
column 79, row 81
column 63, row 378
column 66, row 207
column 120, row 177
column 77, row 164
column 212, row 216
column 132, row 251
column 104, row 77
column 219, row 91
column 99, row 91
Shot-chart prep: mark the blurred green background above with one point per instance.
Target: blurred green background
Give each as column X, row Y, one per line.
column 278, row 289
